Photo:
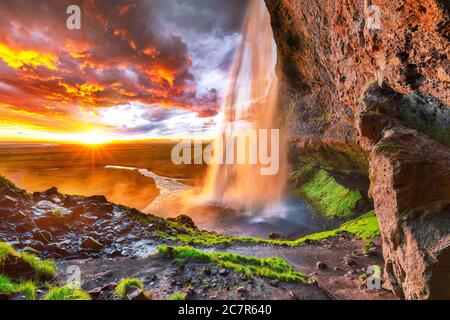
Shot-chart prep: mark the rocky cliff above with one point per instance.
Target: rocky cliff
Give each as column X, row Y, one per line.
column 366, row 85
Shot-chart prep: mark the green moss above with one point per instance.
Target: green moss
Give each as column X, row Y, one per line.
column 66, row 293
column 5, row 251
column 125, row 284
column 364, row 227
column 43, row 268
column 177, row 296
column 368, row 245
column 57, row 212
column 331, row 198
column 25, row 287
column 273, row 268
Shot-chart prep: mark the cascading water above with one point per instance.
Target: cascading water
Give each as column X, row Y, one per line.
column 237, row 199
column 251, row 103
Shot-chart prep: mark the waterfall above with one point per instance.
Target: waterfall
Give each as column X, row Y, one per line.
column 251, row 103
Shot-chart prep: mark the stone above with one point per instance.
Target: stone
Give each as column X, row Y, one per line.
column 321, row 265
column 91, row 244
column 8, row 201
column 184, row 220
column 135, row 293
column 274, row 283
column 42, row 235
column 274, row 235
column 241, row 290
column 104, row 274
column 223, row 272
column 207, row 271
column 351, row 263
column 95, row 293
column 411, row 191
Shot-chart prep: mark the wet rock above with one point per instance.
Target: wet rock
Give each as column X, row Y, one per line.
column 91, row 244
column 104, row 274
column 42, row 236
column 223, row 272
column 241, row 290
column 17, row 269
column 8, row 201
column 274, row 283
column 95, row 293
column 372, row 252
column 135, row 293
column 184, row 220
column 207, row 271
column 97, row 198
column 350, row 262
column 409, row 174
column 411, row 190
column 4, row 296
column 274, row 235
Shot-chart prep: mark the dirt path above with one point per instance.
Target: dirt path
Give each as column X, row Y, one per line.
column 344, row 260
column 162, row 278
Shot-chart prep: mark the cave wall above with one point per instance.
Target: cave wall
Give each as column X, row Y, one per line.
column 369, row 82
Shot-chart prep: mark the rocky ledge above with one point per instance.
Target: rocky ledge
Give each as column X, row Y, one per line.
column 73, row 227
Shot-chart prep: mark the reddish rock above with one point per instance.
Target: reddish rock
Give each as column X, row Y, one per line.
column 356, row 91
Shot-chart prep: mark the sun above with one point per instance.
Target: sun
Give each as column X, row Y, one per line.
column 93, row 138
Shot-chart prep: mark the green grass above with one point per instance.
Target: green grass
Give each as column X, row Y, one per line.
column 5, row 251
column 331, row 198
column 42, row 268
column 273, row 268
column 26, row 287
column 66, row 293
column 367, row 246
column 125, row 284
column 364, row 227
column 177, row 296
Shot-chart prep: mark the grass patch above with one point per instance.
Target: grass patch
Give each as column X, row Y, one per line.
column 42, row 268
column 26, row 287
column 177, row 296
column 125, row 284
column 66, row 293
column 5, row 251
column 331, row 198
column 364, row 227
column 273, row 268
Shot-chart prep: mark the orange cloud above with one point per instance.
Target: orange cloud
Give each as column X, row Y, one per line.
column 20, row 59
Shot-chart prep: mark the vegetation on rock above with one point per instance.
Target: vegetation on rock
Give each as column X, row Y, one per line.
column 178, row 296
column 125, row 284
column 67, row 293
column 28, row 288
column 41, row 268
column 331, row 198
column 364, row 227
column 273, row 268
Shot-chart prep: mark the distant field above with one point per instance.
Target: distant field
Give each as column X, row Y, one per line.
column 78, row 169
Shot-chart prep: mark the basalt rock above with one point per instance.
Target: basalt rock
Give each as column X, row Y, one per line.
column 411, row 189
column 67, row 227
column 366, row 84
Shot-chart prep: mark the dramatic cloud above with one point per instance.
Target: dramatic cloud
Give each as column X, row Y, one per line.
column 151, row 54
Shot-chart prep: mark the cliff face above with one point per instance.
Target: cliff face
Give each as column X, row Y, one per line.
column 368, row 83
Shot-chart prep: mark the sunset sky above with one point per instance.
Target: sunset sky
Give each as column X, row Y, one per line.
column 136, row 69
